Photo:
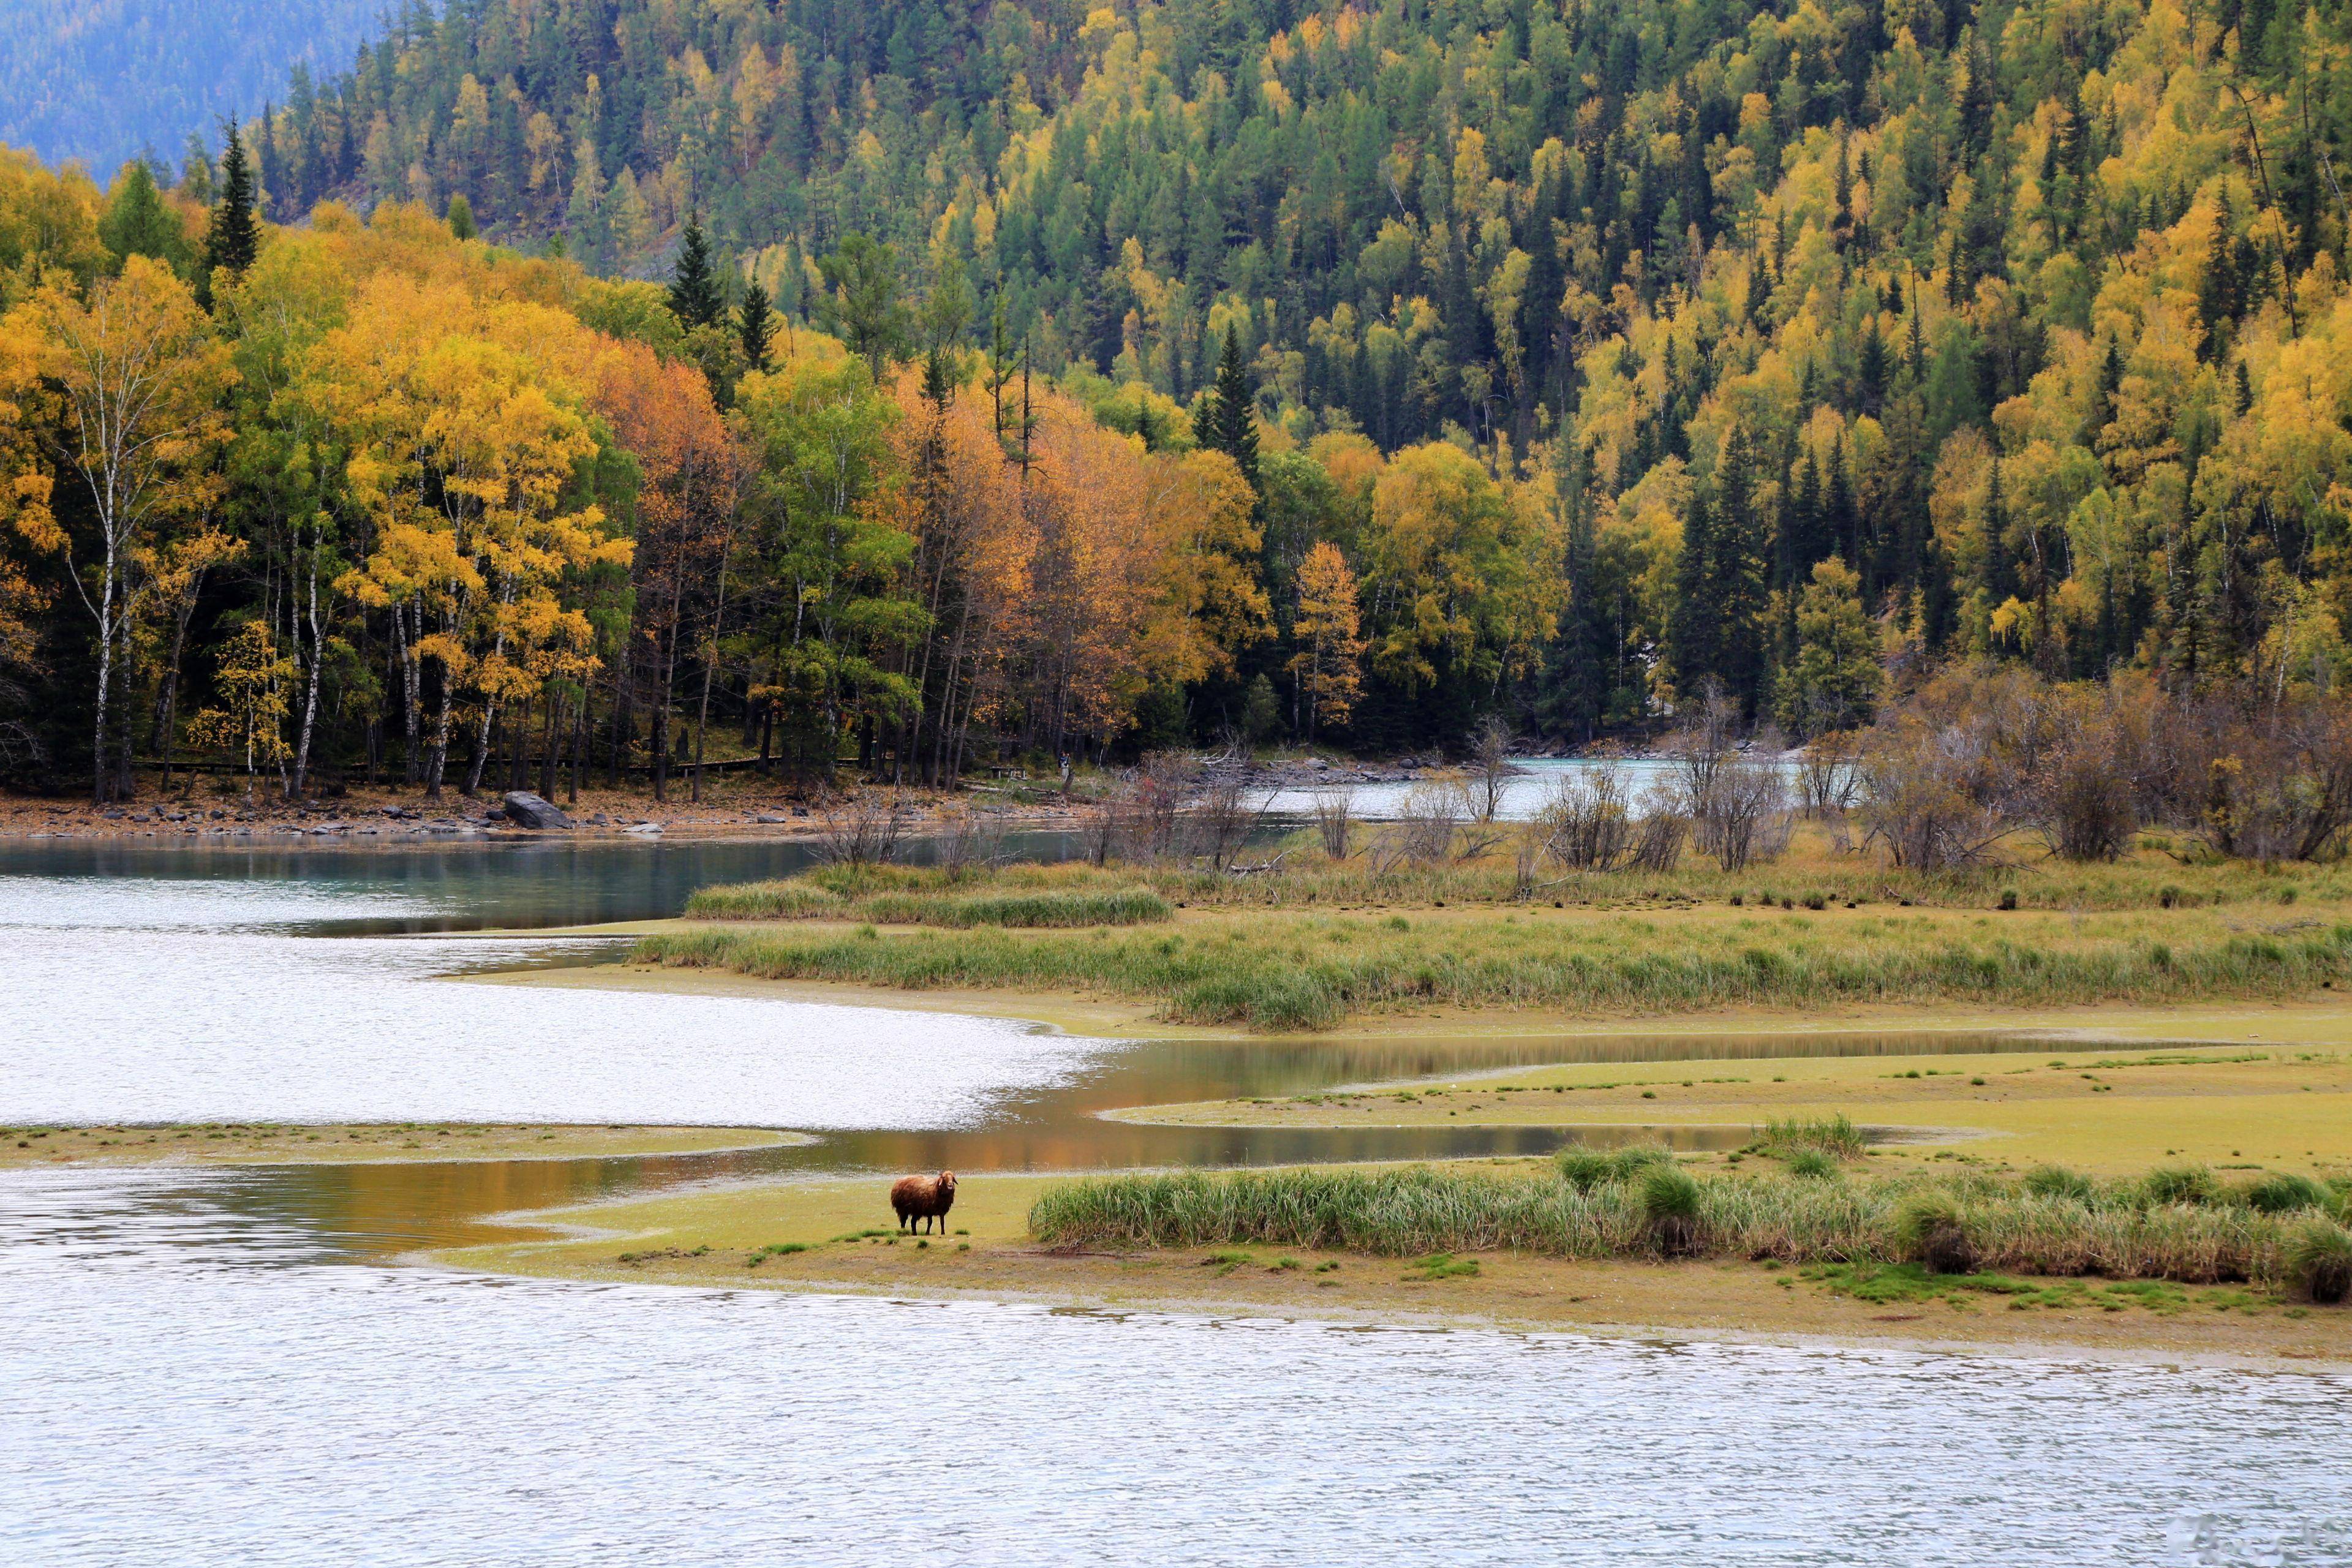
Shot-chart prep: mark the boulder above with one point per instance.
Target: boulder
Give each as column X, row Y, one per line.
column 532, row 811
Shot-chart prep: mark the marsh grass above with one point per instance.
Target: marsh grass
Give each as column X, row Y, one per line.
column 1585, row 1168
column 1663, row 1210
column 2282, row 1192
column 1304, row 946
column 1830, row 1137
column 805, row 898
column 2318, row 1260
column 1288, row 973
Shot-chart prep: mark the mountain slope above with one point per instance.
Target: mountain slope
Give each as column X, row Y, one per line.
column 100, row 80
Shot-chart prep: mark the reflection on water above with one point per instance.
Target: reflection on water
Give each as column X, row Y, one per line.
column 1523, row 792
column 397, row 887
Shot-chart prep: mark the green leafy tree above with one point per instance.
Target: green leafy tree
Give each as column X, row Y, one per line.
column 1832, row 683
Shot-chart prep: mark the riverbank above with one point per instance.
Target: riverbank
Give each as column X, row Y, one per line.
column 354, row 1143
column 838, row 1237
column 736, row 808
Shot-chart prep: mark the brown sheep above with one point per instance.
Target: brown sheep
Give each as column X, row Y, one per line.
column 921, row 1198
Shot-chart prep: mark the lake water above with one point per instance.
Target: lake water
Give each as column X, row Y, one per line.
column 220, row 1366
column 1523, row 792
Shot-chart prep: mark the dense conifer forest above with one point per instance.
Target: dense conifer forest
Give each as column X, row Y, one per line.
column 103, row 80
column 1033, row 377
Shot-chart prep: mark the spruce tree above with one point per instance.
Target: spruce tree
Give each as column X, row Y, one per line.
column 1232, row 422
column 696, row 298
column 1696, row 646
column 1740, row 544
column 756, row 326
column 2000, row 565
column 235, row 240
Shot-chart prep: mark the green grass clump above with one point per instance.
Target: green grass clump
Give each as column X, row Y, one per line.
column 1811, row 1163
column 2318, row 1259
column 2180, row 1184
column 786, row 898
column 1585, row 1168
column 876, row 896
column 1833, row 1136
column 1668, row 1199
column 1036, row 910
column 1931, row 1227
column 2057, row 1182
column 2281, row 1193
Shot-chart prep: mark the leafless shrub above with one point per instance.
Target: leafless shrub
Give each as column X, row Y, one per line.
column 1528, row 852
column 1944, row 777
column 1147, row 807
column 1427, row 821
column 1105, row 827
column 2275, row 776
column 1744, row 815
column 1658, row 847
column 1334, row 810
column 1586, row 822
column 1490, row 768
column 1825, row 773
column 969, row 841
column 857, row 828
column 1737, row 806
column 1220, row 819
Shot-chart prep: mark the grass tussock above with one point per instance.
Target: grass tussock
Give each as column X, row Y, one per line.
column 1658, row 1209
column 808, row 899
column 1833, row 1137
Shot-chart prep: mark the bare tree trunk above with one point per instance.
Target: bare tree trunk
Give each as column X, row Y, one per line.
column 311, row 697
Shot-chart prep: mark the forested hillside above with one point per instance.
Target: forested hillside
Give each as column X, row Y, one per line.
column 1557, row 360
column 102, row 80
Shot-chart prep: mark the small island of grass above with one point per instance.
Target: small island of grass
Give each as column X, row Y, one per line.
column 1313, row 940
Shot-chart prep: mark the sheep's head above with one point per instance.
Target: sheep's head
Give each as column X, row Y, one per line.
column 947, row 1184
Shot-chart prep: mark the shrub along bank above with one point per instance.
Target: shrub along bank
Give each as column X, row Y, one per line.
column 1640, row 1204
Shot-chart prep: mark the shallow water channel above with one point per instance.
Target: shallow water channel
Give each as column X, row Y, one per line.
column 221, row 1366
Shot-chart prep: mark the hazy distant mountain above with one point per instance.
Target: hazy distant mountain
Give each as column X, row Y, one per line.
column 100, row 79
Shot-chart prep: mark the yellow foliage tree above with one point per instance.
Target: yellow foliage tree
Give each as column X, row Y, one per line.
column 1327, row 632
column 132, row 381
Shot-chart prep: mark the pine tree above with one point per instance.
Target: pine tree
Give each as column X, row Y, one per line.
column 138, row 224
column 756, row 325
column 2000, row 565
column 1840, row 519
column 235, row 240
column 696, row 296
column 1740, row 543
column 1698, row 648
column 461, row 216
column 1232, row 416
column 271, row 166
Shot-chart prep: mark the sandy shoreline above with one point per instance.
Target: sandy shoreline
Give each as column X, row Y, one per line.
column 708, row 1239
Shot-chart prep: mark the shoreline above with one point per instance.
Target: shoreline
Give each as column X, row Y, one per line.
column 2308, row 1022
column 706, row 1240
column 197, row 1145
